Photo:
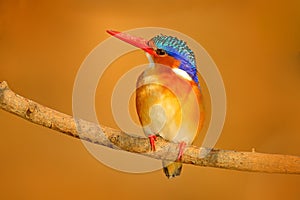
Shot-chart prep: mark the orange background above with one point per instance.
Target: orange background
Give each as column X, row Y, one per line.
column 255, row 45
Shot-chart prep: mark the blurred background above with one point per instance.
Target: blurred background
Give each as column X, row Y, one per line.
column 256, row 46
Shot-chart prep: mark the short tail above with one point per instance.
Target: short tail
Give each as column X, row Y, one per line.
column 172, row 169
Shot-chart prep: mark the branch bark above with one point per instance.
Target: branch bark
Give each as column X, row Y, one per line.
column 116, row 139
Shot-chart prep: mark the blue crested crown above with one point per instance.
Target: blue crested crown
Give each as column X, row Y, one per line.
column 178, row 49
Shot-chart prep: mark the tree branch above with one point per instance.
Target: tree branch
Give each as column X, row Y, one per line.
column 112, row 138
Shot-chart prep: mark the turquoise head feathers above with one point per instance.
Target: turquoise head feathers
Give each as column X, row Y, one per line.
column 178, row 49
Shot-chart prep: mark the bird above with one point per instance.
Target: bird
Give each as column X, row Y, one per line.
column 169, row 100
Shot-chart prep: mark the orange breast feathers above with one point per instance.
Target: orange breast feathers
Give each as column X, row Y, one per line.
column 169, row 105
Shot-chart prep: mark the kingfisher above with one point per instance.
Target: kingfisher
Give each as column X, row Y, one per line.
column 168, row 95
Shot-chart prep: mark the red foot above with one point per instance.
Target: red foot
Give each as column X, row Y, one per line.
column 181, row 149
column 152, row 139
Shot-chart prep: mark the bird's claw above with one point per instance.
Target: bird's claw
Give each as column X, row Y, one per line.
column 181, row 150
column 152, row 139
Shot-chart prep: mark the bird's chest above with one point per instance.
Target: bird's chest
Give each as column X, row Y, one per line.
column 167, row 105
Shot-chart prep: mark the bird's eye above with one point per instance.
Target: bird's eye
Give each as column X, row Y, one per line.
column 160, row 52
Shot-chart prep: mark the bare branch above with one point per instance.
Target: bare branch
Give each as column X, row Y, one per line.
column 112, row 138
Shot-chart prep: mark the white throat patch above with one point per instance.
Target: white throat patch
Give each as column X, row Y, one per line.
column 182, row 73
column 151, row 62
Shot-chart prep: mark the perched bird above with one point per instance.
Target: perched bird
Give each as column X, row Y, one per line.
column 168, row 95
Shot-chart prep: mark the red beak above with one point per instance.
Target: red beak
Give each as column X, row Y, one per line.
column 133, row 40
